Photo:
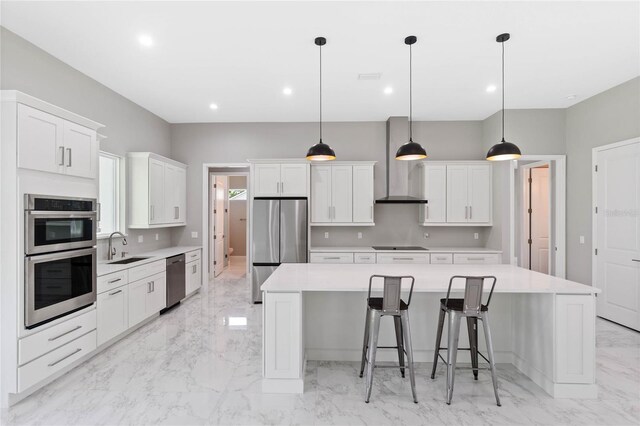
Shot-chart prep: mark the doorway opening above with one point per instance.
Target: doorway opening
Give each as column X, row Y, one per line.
column 227, row 225
column 536, row 218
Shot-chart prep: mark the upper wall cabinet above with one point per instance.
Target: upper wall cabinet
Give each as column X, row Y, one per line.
column 49, row 143
column 342, row 194
column 157, row 191
column 458, row 193
column 280, row 178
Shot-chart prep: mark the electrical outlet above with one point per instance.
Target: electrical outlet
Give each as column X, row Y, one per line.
column 194, row 234
column 359, row 235
column 157, row 237
column 475, row 236
column 581, row 239
column 140, row 238
column 326, row 235
column 426, row 235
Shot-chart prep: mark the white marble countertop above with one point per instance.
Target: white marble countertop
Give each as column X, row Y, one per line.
column 295, row 277
column 429, row 250
column 105, row 268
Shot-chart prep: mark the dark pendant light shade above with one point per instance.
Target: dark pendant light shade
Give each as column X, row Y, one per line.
column 320, row 151
column 504, row 150
column 411, row 150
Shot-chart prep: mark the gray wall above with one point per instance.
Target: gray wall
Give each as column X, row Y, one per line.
column 611, row 116
column 129, row 127
column 196, row 144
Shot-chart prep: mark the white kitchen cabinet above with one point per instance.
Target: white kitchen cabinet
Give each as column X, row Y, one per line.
column 146, row 298
column 52, row 144
column 342, row 194
column 477, row 258
column 457, row 193
column 364, row 257
column 193, row 278
column 340, row 257
column 399, row 258
column 157, row 191
column 280, row 179
column 480, row 194
column 363, row 194
column 441, row 258
column 113, row 313
column 434, row 190
column 469, row 194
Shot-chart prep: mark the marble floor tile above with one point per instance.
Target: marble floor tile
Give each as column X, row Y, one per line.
column 201, row 364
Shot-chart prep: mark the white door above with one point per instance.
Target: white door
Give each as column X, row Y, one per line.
column 479, row 196
column 81, row 150
column 267, row 180
column 457, row 193
column 39, row 140
column 293, row 180
column 363, row 194
column 618, row 234
column 320, row 194
column 435, row 192
column 540, row 213
column 156, row 191
column 342, row 193
column 218, row 227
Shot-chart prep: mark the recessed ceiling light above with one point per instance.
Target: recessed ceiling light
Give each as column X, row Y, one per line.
column 287, row 91
column 388, row 90
column 571, row 97
column 213, row 106
column 145, row 40
column 491, row 88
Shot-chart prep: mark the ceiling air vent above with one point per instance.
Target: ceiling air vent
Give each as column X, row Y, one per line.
column 370, row 76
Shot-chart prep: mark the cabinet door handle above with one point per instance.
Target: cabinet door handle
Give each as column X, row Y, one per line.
column 149, row 287
column 61, row 163
column 68, row 157
column 466, row 212
column 151, row 211
column 51, row 339
column 371, row 212
column 195, row 269
column 194, row 255
column 332, row 258
column 403, row 258
column 475, row 258
column 427, row 210
column 115, row 292
column 635, row 260
column 282, row 187
column 175, row 212
column 99, row 211
column 470, row 212
column 64, row 357
column 114, row 281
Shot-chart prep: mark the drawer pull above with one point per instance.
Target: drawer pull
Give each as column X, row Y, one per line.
column 475, row 258
column 635, row 260
column 194, row 255
column 403, row 258
column 332, row 258
column 115, row 292
column 65, row 357
column 114, row 281
column 441, row 258
column 51, row 339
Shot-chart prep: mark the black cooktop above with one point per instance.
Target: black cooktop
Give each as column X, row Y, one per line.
column 399, row 248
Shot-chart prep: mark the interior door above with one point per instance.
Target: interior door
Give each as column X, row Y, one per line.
column 220, row 191
column 540, row 213
column 618, row 234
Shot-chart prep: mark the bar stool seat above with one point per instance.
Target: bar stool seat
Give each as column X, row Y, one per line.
column 376, row 303
column 458, row 305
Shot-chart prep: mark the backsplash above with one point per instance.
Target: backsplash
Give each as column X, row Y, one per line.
column 398, row 225
column 133, row 246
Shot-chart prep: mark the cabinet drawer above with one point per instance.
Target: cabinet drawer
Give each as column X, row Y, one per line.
column 442, row 258
column 365, row 257
column 402, row 258
column 486, row 259
column 143, row 271
column 192, row 256
column 111, row 281
column 331, row 258
column 47, row 340
column 51, row 363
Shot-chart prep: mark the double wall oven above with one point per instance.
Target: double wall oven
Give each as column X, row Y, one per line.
column 60, row 256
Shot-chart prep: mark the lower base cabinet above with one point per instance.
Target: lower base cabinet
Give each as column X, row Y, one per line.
column 113, row 313
column 193, row 279
column 147, row 297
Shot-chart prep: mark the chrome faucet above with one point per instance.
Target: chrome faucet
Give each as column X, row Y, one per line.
column 112, row 249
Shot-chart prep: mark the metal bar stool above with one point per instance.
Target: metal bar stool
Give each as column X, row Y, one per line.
column 390, row 304
column 472, row 308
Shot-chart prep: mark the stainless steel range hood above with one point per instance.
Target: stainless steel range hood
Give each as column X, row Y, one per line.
column 398, row 171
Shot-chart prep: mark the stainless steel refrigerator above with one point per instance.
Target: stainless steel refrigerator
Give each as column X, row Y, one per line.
column 279, row 236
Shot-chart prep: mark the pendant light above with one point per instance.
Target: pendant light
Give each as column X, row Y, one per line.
column 321, row 151
column 503, row 150
column 411, row 150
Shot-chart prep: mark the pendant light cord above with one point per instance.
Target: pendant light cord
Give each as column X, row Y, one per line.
column 502, row 91
column 410, row 95
column 320, row 93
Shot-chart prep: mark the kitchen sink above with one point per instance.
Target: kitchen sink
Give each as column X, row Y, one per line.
column 128, row 260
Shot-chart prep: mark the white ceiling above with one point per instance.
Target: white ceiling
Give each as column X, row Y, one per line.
column 240, row 55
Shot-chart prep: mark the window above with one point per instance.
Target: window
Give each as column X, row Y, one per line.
column 111, row 195
column 237, row 194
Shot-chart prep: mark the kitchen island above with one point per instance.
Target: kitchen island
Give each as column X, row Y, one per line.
column 543, row 325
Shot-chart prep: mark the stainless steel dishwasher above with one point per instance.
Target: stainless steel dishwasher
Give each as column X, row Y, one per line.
column 175, row 280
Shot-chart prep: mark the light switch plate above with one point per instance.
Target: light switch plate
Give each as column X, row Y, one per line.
column 581, row 239
column 326, row 235
column 194, row 234
column 475, row 236
column 140, row 238
column 426, row 235
column 359, row 235
column 157, row 236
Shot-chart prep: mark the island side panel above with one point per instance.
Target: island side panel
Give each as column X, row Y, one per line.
column 283, row 348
